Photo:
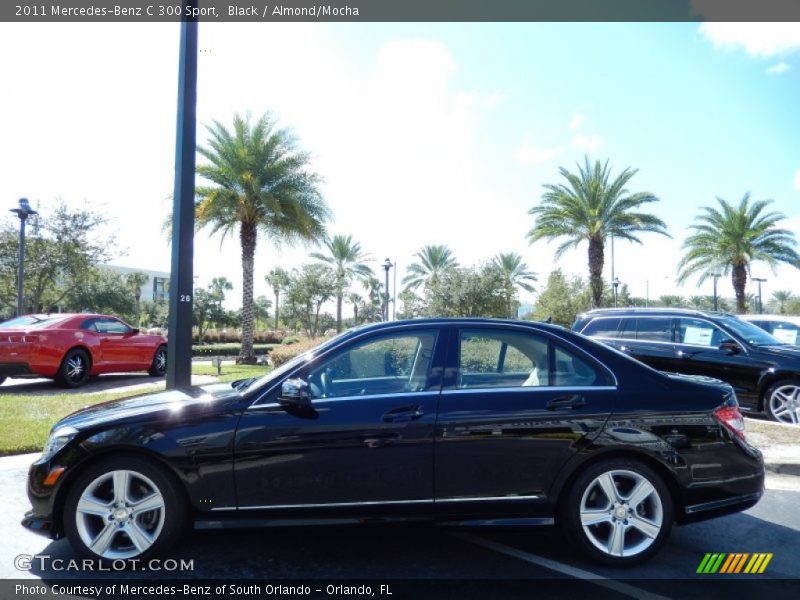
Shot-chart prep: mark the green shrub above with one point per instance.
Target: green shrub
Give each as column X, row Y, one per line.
column 286, row 352
column 292, row 339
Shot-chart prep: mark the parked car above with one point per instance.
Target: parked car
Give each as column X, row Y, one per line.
column 70, row 348
column 461, row 422
column 784, row 328
column 763, row 370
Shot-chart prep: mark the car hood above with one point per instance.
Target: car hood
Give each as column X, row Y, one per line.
column 207, row 398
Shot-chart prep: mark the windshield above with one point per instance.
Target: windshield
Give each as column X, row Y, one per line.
column 752, row 334
column 30, row 322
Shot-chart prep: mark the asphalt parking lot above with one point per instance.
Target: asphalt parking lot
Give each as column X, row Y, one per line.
column 428, row 552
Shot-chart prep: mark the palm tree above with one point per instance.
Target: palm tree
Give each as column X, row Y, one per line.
column 515, row 274
column 261, row 182
column 433, row 260
column 590, row 207
column 278, row 279
column 355, row 300
column 730, row 238
column 135, row 281
column 779, row 300
column 700, row 302
column 346, row 260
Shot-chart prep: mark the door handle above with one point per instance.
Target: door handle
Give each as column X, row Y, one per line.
column 563, row 402
column 402, row 414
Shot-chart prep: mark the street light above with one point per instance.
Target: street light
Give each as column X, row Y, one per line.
column 387, row 264
column 615, row 283
column 715, row 276
column 760, row 280
column 23, row 212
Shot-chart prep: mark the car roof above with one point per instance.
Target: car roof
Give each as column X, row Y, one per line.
column 440, row 321
column 656, row 312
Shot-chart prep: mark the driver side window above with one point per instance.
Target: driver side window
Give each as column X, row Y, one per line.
column 386, row 365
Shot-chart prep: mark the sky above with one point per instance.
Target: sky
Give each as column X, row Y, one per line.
column 423, row 133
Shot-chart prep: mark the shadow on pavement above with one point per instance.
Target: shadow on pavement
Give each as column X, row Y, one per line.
column 100, row 383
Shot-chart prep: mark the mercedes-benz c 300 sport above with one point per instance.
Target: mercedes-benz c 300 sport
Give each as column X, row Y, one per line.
column 454, row 421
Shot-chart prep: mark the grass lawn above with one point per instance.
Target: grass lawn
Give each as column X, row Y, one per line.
column 25, row 419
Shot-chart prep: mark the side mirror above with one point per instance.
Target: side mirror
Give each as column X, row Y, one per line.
column 135, row 331
column 729, row 347
column 296, row 393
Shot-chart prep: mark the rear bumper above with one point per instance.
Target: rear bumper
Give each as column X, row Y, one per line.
column 719, row 508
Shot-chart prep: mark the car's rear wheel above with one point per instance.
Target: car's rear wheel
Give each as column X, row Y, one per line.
column 74, row 369
column 782, row 401
column 122, row 508
column 158, row 368
column 617, row 512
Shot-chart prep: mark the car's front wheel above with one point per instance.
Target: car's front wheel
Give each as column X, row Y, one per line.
column 782, row 402
column 617, row 512
column 158, row 367
column 123, row 507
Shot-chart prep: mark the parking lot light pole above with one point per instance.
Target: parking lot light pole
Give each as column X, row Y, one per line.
column 181, row 296
column 387, row 264
column 760, row 280
column 715, row 276
column 23, row 212
column 615, row 283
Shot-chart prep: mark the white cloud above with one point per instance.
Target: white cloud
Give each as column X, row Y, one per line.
column 577, row 121
column 781, row 67
column 587, row 142
column 757, row 39
column 797, row 180
column 496, row 99
column 530, row 153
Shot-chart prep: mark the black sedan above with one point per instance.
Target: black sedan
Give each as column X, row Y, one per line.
column 460, row 422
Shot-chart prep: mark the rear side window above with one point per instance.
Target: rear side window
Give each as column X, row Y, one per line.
column 492, row 358
column 603, row 327
column 573, row 371
column 654, row 329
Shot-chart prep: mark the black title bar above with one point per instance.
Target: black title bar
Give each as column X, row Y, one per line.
column 212, row 11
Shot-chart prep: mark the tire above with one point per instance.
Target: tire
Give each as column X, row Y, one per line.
column 158, row 368
column 597, row 540
column 74, row 369
column 782, row 401
column 100, row 524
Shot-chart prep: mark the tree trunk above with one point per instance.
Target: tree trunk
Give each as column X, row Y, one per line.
column 739, row 280
column 277, row 294
column 339, row 312
column 247, row 234
column 355, row 314
column 596, row 260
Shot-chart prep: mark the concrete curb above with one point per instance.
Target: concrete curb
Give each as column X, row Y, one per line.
column 783, row 468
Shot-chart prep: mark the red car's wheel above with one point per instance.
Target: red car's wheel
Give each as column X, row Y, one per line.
column 159, row 366
column 74, row 369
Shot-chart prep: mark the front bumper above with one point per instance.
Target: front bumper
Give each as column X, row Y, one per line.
column 41, row 525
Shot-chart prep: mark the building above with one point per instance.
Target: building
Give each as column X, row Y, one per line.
column 157, row 286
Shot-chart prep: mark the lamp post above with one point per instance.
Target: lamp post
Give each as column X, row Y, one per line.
column 387, row 264
column 23, row 212
column 715, row 276
column 759, row 280
column 615, row 283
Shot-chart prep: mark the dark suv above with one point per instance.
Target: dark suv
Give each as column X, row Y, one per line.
column 764, row 371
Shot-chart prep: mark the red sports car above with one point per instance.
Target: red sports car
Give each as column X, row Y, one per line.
column 72, row 347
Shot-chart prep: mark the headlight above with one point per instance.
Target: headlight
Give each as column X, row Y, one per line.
column 57, row 441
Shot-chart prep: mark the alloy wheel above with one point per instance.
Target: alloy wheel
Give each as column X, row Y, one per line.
column 784, row 404
column 621, row 513
column 161, row 360
column 120, row 514
column 76, row 367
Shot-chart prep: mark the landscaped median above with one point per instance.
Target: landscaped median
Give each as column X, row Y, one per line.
column 779, row 442
column 26, row 419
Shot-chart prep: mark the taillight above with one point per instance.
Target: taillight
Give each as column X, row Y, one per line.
column 730, row 418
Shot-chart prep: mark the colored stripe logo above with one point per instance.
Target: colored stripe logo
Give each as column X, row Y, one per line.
column 734, row 563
